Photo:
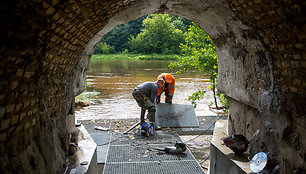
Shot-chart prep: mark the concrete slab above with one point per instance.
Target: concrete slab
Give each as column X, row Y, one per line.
column 205, row 128
column 175, row 115
column 100, row 138
column 87, row 152
column 102, row 141
column 101, row 154
column 222, row 158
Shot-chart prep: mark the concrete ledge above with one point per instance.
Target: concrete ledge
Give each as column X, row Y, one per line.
column 193, row 131
column 222, row 159
column 204, row 129
column 87, row 153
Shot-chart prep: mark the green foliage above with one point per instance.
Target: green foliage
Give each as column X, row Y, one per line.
column 104, row 48
column 159, row 36
column 119, row 36
column 97, row 57
column 159, row 57
column 126, row 51
column 223, row 100
column 200, row 54
column 196, row 96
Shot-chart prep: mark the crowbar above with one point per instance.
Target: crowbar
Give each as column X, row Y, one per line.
column 131, row 128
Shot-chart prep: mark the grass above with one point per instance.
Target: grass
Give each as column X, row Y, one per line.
column 88, row 96
column 134, row 57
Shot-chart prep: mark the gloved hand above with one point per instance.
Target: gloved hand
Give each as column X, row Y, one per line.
column 157, row 101
column 170, row 101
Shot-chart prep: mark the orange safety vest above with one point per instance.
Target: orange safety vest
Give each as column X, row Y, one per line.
column 169, row 86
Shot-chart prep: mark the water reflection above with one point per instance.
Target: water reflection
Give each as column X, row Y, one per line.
column 116, row 79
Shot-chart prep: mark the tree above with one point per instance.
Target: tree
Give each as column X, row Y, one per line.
column 159, row 35
column 119, row 36
column 199, row 53
column 104, row 48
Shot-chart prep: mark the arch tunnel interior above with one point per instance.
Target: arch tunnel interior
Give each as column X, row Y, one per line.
column 47, row 46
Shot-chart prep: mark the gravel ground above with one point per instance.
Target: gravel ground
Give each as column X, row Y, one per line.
column 199, row 145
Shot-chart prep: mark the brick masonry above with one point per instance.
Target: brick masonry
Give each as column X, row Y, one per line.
column 43, row 42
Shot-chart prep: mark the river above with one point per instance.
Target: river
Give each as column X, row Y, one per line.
column 116, row 79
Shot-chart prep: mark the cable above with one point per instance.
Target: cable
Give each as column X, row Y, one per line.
column 219, row 117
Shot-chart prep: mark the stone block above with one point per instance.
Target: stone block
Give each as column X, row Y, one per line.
column 2, row 112
column 2, row 136
column 50, row 11
column 299, row 45
column 61, row 20
column 297, row 82
column 10, row 108
column 22, row 116
column 175, row 115
column 285, row 64
column 27, row 125
column 294, row 63
column 19, row 128
column 19, row 72
column 45, row 5
column 297, row 56
column 293, row 89
column 14, row 84
column 14, row 119
column 54, row 2
column 5, row 123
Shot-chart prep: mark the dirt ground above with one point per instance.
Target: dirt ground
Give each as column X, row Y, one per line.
column 199, row 145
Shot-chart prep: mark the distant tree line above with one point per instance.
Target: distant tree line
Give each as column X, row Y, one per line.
column 149, row 34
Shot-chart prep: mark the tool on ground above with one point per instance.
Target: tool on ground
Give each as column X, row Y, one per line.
column 147, row 129
column 131, row 128
column 237, row 143
column 258, row 162
column 101, row 128
column 178, row 148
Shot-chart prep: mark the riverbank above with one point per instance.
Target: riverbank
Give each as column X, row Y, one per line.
column 199, row 145
column 96, row 57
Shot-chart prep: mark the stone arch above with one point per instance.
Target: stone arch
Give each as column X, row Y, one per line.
column 48, row 44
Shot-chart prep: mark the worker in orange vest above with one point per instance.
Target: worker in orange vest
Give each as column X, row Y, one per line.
column 168, row 88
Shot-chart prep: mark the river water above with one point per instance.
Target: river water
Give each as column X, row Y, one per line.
column 116, row 79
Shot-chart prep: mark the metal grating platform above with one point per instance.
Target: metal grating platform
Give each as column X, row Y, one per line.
column 128, row 154
column 158, row 138
column 164, row 167
column 140, row 154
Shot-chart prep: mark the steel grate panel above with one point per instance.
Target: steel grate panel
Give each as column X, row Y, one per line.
column 128, row 154
column 140, row 153
column 176, row 167
column 158, row 138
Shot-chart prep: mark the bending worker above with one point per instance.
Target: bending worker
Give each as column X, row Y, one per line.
column 168, row 88
column 144, row 94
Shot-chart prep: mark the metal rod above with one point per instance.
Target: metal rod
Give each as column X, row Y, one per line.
column 131, row 128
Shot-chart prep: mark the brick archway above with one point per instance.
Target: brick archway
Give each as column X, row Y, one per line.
column 46, row 47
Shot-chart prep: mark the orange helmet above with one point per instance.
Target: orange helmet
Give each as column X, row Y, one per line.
column 166, row 77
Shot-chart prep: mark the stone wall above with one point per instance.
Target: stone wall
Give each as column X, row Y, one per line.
column 46, row 46
column 279, row 117
column 42, row 43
